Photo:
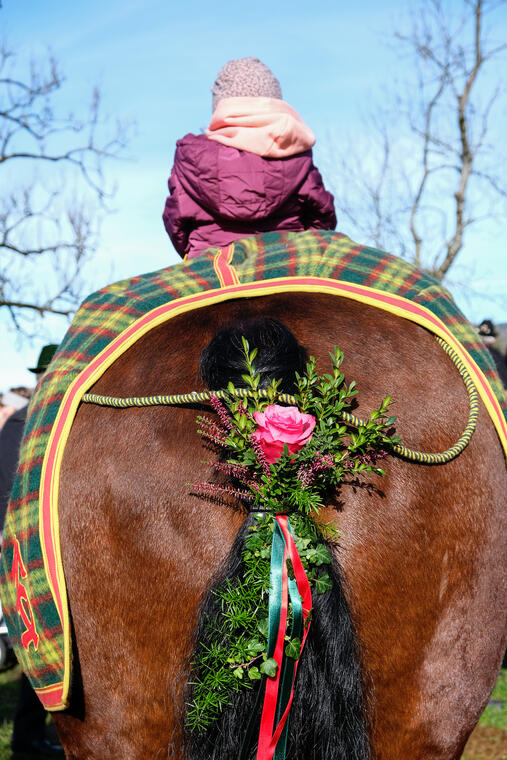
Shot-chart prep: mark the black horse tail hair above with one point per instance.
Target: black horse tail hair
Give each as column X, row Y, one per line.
column 328, row 718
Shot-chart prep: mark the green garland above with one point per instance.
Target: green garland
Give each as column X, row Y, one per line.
column 296, row 484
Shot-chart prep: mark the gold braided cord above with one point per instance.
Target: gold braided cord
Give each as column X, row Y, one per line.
column 196, row 397
column 400, row 450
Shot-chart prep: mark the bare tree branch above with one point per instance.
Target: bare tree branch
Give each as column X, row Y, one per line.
column 47, row 235
column 41, row 309
column 443, row 173
column 455, row 243
column 426, row 170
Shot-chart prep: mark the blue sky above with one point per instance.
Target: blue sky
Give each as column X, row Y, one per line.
column 155, row 62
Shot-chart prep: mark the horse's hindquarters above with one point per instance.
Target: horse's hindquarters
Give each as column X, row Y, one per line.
column 421, row 548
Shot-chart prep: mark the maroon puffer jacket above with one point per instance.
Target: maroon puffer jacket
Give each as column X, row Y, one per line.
column 219, row 194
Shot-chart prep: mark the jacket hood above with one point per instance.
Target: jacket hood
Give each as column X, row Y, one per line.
column 236, row 184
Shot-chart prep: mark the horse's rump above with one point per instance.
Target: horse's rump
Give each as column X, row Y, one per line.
column 422, row 549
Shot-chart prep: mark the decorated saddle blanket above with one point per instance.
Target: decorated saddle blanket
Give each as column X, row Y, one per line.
column 33, row 589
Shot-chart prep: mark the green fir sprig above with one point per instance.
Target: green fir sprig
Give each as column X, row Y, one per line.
column 295, row 484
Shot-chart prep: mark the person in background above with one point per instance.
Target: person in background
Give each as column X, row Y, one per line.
column 29, row 728
column 489, row 335
column 15, row 398
column 252, row 171
column 5, row 411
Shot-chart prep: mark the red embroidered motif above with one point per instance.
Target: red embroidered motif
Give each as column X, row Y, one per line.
column 23, row 604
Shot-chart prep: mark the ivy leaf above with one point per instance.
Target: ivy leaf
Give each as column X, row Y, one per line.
column 269, row 667
column 262, row 625
column 293, row 649
column 254, row 674
column 255, row 645
column 302, row 543
column 319, row 555
column 238, row 672
column 254, row 542
column 323, row 583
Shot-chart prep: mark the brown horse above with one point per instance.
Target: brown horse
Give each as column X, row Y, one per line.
column 422, row 549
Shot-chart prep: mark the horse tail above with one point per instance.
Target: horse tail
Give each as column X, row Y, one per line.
column 328, row 714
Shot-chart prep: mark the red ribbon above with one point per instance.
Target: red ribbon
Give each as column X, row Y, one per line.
column 269, row 734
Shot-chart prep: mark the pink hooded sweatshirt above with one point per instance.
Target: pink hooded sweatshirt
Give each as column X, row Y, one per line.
column 252, row 172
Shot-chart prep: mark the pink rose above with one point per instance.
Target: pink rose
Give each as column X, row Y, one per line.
column 280, row 425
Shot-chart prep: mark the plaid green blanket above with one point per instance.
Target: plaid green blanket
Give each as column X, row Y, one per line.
column 108, row 322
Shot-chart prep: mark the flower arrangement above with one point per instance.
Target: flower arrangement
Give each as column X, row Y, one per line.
column 280, row 461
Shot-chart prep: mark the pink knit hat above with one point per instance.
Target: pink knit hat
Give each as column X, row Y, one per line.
column 245, row 77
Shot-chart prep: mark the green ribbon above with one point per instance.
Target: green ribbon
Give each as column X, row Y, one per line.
column 275, row 600
column 297, row 630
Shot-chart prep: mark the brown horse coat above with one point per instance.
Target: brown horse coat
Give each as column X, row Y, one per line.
column 423, row 549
